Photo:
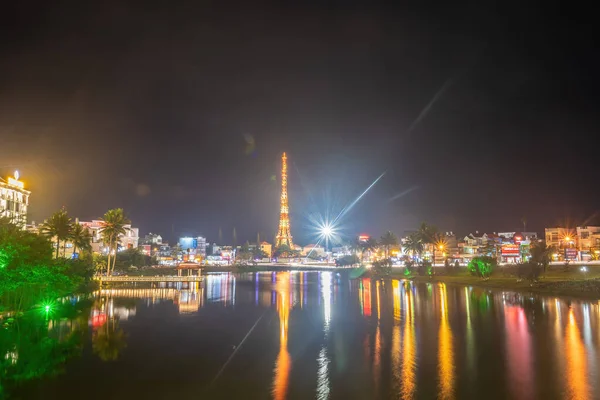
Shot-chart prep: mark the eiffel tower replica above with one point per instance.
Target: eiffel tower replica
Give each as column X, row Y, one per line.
column 284, row 235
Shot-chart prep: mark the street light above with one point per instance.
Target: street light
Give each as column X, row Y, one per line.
column 327, row 232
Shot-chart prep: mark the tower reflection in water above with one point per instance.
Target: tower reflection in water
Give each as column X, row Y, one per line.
column 283, row 363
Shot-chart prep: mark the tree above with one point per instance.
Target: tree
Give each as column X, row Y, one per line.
column 58, row 226
column 81, row 238
column 413, row 245
column 111, row 227
column 428, row 234
column 28, row 272
column 382, row 267
column 245, row 255
column 131, row 258
column 347, row 261
column 482, row 266
column 541, row 254
column 285, row 251
column 388, row 240
column 109, row 340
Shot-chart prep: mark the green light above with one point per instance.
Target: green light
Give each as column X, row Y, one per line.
column 47, row 308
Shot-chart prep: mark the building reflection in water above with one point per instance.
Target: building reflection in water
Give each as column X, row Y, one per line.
column 323, row 385
column 408, row 348
column 378, row 342
column 576, row 364
column 396, row 349
column 518, row 352
column 283, row 363
column 471, row 370
column 445, row 349
column 220, row 288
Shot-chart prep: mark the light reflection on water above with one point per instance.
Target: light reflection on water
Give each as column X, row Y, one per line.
column 326, row 337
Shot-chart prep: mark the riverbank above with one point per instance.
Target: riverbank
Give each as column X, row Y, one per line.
column 573, row 283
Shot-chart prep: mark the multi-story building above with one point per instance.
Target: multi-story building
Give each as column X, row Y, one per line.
column 588, row 242
column 152, row 239
column 14, row 200
column 266, row 248
column 129, row 240
column 581, row 243
column 193, row 247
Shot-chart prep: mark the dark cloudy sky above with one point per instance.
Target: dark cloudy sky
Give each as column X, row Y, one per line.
column 178, row 113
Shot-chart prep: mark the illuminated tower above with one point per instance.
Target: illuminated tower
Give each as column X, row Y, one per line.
column 284, row 235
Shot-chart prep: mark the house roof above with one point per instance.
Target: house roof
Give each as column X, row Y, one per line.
column 188, row 265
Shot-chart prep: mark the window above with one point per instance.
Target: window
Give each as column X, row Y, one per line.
column 585, row 234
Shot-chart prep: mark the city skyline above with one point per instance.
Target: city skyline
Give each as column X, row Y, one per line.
column 477, row 120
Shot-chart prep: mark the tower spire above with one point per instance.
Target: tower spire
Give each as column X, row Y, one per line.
column 284, row 235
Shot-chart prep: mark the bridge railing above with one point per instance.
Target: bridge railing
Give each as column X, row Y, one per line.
column 193, row 278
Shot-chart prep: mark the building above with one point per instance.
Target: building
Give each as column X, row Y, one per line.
column 588, row 242
column 581, row 243
column 14, row 200
column 266, row 248
column 130, row 240
column 564, row 240
column 193, row 247
column 313, row 249
column 152, row 239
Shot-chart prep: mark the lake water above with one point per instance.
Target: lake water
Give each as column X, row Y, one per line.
column 303, row 335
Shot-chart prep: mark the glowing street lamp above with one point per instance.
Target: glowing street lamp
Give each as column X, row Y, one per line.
column 326, row 232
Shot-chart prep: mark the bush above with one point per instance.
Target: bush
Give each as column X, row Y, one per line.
column 425, row 268
column 409, row 268
column 383, row 267
column 29, row 275
column 347, row 261
column 482, row 266
column 448, row 267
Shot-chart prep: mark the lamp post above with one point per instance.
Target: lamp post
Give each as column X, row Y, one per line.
column 326, row 232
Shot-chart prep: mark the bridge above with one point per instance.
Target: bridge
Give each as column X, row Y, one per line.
column 123, row 278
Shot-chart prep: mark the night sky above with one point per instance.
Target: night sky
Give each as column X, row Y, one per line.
column 478, row 115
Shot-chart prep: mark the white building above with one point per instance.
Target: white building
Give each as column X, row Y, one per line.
column 14, row 200
column 152, row 239
column 129, row 240
column 195, row 246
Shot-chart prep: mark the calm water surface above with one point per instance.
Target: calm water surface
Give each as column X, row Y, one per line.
column 302, row 335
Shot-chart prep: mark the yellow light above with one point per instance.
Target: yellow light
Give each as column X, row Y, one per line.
column 441, row 247
column 567, row 238
column 15, row 182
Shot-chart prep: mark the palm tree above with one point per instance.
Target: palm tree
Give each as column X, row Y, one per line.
column 108, row 341
column 428, row 235
column 81, row 238
column 58, row 226
column 363, row 246
column 413, row 245
column 388, row 240
column 112, row 226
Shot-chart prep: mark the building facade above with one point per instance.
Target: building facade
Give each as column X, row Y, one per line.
column 130, row 240
column 14, row 200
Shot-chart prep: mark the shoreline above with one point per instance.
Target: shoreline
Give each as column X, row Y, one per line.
column 583, row 289
column 553, row 283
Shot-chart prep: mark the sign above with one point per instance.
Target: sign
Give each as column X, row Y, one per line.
column 511, row 250
column 571, row 254
column 16, row 183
